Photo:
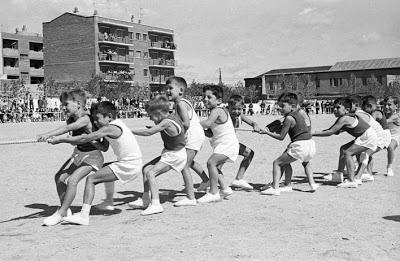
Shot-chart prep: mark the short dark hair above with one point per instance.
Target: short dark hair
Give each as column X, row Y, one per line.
column 288, row 97
column 104, row 108
column 369, row 99
column 159, row 103
column 345, row 102
column 216, row 90
column 355, row 99
column 394, row 98
column 235, row 99
column 74, row 95
column 179, row 80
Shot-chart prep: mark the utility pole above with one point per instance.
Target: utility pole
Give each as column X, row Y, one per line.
column 220, row 78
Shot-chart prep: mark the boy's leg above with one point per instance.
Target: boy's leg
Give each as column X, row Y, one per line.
column 199, row 170
column 309, row 173
column 288, row 171
column 151, row 173
column 390, row 154
column 342, row 158
column 248, row 155
column 363, row 163
column 284, row 159
column 349, row 153
column 187, row 177
column 72, row 184
column 60, row 177
column 212, row 163
column 105, row 174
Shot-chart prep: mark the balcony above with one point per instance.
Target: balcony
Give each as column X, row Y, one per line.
column 162, row 63
column 10, row 52
column 163, row 46
column 115, row 58
column 39, row 72
column 11, row 70
column 111, row 39
column 35, row 55
column 117, row 76
column 159, row 79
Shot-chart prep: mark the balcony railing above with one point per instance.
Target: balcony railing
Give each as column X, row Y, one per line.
column 117, row 76
column 35, row 55
column 162, row 62
column 10, row 52
column 11, row 70
column 36, row 71
column 115, row 39
column 163, row 45
column 113, row 57
column 157, row 79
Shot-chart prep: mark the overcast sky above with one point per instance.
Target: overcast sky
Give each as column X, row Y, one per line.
column 243, row 38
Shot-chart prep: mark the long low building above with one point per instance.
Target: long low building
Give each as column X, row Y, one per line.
column 328, row 81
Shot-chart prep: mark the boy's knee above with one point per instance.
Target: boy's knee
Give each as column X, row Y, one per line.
column 248, row 153
column 211, row 162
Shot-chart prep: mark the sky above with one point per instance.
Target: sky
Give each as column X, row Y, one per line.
column 243, row 38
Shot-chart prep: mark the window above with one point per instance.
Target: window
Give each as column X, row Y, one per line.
column 145, row 72
column 138, row 54
column 340, row 82
column 317, row 83
column 131, row 35
column 379, row 79
column 364, row 80
column 271, row 86
column 137, row 36
column 335, row 82
column 145, row 55
column 144, row 37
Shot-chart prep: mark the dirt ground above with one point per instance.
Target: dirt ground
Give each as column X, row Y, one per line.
column 330, row 224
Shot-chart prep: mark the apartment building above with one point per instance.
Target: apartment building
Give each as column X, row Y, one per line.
column 78, row 47
column 329, row 80
column 21, row 56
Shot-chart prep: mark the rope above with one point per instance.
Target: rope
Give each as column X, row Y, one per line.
column 11, row 142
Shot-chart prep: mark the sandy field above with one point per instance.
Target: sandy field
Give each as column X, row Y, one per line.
column 330, row 224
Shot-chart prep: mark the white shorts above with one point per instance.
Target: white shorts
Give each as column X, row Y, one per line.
column 369, row 139
column 92, row 158
column 174, row 158
column 127, row 170
column 385, row 139
column 195, row 137
column 228, row 147
column 303, row 150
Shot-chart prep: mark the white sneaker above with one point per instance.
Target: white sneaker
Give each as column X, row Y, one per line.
column 138, row 204
column 241, row 183
column 266, row 186
column 226, row 192
column 185, row 202
column 208, row 198
column 358, row 182
column 203, row 186
column 271, row 191
column 390, row 172
column 105, row 206
column 367, row 177
column 347, row 184
column 53, row 220
column 286, row 189
column 77, row 218
column 327, row 177
column 152, row 209
column 69, row 212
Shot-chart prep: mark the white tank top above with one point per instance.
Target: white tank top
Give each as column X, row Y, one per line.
column 194, row 119
column 223, row 130
column 125, row 147
column 373, row 123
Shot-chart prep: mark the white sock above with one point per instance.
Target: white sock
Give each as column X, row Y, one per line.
column 155, row 202
column 85, row 211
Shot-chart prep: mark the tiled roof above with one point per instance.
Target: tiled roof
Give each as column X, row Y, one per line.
column 366, row 64
column 298, row 70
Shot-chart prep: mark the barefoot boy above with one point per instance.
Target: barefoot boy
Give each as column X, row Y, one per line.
column 129, row 157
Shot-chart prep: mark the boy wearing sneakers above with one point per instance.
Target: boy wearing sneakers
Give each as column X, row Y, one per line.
column 301, row 147
column 393, row 121
column 86, row 157
column 235, row 108
column 126, row 168
column 176, row 87
column 366, row 139
column 173, row 155
column 224, row 143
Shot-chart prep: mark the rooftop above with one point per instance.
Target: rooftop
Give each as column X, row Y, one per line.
column 367, row 64
column 298, row 70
